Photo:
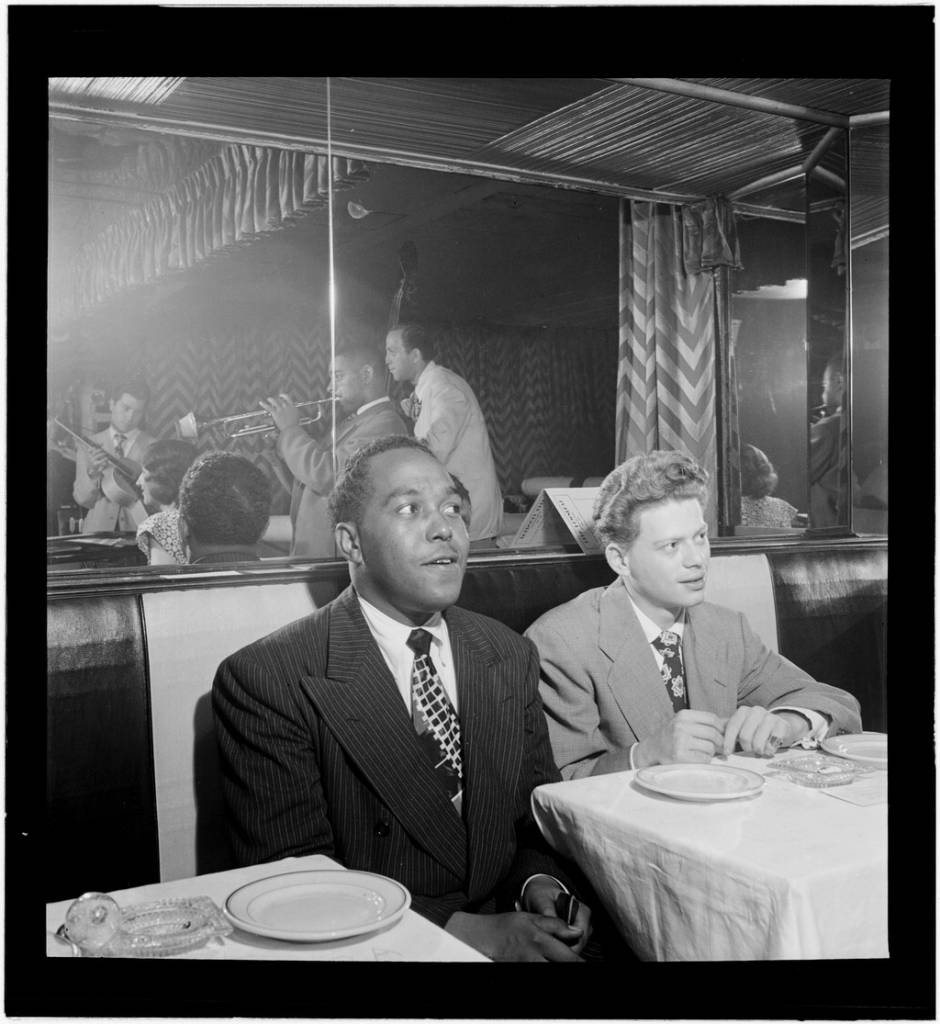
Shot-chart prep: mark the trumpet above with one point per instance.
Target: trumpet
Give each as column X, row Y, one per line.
column 188, row 427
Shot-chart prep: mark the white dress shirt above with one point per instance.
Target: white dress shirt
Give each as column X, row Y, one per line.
column 392, row 638
column 129, row 437
column 818, row 724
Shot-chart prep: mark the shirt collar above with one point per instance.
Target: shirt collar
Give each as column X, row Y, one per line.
column 650, row 629
column 130, row 436
column 391, row 634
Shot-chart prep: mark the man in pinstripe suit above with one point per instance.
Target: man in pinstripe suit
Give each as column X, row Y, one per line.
column 319, row 751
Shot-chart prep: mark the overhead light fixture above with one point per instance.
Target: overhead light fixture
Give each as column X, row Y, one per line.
column 357, row 211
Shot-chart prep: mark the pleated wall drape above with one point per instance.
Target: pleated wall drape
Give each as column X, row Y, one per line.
column 666, row 377
column 235, row 196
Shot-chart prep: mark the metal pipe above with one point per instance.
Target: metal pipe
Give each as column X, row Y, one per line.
column 770, row 212
column 824, row 143
column 829, row 178
column 737, row 99
column 770, row 179
column 866, row 120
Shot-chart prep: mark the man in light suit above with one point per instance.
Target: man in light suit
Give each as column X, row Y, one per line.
column 322, row 736
column 644, row 672
column 447, row 416
column 358, row 382
column 124, row 438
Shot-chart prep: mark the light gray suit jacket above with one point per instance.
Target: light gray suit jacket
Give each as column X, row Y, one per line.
column 602, row 690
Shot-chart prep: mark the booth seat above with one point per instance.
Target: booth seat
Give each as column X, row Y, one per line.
column 132, row 769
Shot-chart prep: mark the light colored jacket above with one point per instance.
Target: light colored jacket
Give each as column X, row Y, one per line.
column 452, row 425
column 602, row 689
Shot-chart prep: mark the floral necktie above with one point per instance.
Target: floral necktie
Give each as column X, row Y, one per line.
column 669, row 644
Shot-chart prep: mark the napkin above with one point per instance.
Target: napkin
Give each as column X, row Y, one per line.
column 865, row 791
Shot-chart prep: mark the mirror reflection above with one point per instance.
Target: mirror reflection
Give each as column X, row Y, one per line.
column 480, row 315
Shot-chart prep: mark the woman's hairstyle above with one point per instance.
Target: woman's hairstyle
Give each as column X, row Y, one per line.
column 225, row 499
column 165, row 463
column 419, row 337
column 641, row 482
column 355, row 485
column 758, row 477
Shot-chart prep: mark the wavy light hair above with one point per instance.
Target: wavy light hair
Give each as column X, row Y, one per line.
column 640, row 483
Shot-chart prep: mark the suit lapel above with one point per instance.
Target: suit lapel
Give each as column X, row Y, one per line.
column 492, row 745
column 634, row 679
column 704, row 658
column 360, row 703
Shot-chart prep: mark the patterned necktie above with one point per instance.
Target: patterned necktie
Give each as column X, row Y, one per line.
column 669, row 645
column 434, row 718
column 415, row 408
column 119, row 440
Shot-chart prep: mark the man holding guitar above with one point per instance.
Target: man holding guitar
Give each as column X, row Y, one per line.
column 108, row 493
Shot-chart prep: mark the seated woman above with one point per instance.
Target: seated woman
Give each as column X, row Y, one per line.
column 758, row 480
column 164, row 465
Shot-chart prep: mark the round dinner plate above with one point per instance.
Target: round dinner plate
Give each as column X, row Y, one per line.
column 700, row 781
column 316, row 906
column 865, row 747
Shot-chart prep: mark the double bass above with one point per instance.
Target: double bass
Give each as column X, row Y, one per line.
column 119, row 481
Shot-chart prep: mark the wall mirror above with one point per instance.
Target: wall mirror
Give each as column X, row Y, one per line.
column 516, row 267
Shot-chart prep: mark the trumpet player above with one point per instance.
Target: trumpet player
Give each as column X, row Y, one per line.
column 364, row 412
column 107, row 493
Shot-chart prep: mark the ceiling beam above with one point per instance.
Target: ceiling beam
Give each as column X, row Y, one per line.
column 779, row 178
column 680, row 87
column 153, row 122
column 867, row 120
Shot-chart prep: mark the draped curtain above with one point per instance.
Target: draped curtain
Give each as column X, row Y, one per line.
column 235, row 196
column 547, row 395
column 672, row 320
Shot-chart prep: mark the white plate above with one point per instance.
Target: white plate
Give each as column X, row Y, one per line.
column 315, row 906
column 700, row 781
column 864, row 747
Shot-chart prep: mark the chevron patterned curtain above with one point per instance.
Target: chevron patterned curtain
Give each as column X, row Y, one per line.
column 666, row 377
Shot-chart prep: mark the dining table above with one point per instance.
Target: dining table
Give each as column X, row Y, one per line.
column 785, row 872
column 410, row 937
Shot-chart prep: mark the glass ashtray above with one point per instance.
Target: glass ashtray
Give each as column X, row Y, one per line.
column 819, row 771
column 96, row 926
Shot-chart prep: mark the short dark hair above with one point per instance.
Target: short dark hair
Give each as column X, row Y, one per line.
column 362, row 353
column 225, row 499
column 465, row 503
column 758, row 477
column 418, row 336
column 641, row 482
column 136, row 387
column 355, row 485
column 166, row 462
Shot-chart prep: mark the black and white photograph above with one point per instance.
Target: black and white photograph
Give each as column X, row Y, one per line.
column 467, row 512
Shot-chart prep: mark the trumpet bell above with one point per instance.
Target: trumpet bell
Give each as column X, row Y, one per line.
column 187, row 429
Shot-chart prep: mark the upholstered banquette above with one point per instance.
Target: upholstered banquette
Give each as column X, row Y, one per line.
column 132, row 782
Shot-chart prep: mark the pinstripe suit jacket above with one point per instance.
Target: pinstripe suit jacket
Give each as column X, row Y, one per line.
column 319, row 755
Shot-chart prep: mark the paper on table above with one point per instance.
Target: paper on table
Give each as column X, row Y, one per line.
column 865, row 791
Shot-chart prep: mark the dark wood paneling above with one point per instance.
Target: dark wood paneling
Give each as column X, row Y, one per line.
column 832, row 620
column 101, row 813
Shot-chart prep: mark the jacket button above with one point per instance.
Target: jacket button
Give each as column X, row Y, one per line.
column 382, row 829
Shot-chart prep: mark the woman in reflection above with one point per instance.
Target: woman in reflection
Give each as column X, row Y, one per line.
column 758, row 480
column 164, row 465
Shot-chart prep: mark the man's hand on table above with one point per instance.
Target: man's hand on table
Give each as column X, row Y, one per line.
column 759, row 731
column 689, row 737
column 536, row 933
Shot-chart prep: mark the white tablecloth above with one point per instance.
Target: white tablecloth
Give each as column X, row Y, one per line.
column 411, row 938
column 792, row 873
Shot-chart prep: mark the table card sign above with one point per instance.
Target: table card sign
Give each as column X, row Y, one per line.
column 558, row 515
